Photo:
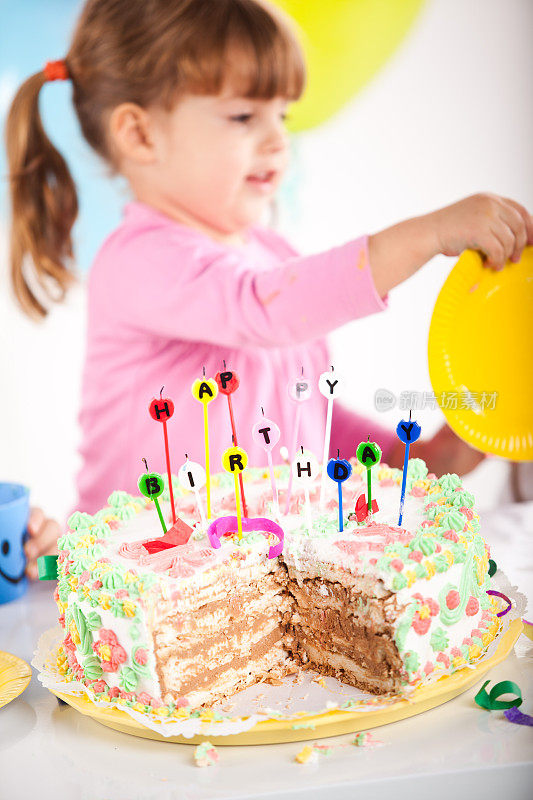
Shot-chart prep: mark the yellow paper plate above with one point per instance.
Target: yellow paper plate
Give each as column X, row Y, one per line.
column 15, row 674
column 332, row 723
column 480, row 354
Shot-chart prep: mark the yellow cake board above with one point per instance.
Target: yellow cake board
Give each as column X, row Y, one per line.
column 15, row 674
column 481, row 340
column 331, row 723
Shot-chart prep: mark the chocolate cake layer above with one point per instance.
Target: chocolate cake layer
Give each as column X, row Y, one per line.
column 344, row 633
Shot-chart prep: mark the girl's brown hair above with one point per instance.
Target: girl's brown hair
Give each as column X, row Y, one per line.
column 147, row 52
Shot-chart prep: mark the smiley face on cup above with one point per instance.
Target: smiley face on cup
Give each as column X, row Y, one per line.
column 14, row 513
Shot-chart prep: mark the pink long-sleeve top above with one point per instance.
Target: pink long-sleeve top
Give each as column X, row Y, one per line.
column 165, row 301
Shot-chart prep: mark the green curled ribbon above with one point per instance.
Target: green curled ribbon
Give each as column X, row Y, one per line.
column 491, row 702
column 492, row 567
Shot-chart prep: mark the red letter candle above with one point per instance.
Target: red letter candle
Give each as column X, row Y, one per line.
column 161, row 410
column 228, row 382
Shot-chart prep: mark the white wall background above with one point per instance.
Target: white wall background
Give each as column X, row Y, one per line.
column 450, row 114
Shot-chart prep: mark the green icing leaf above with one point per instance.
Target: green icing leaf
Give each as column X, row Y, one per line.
column 399, row 582
column 79, row 521
column 134, row 632
column 463, row 498
column 416, row 469
column 116, row 607
column 128, row 679
column 80, row 565
column 86, row 637
column 441, row 563
column 427, row 545
column 112, row 580
column 92, row 668
column 432, row 512
column 439, row 640
column 125, row 513
column 94, row 621
column 411, row 661
column 421, row 571
column 453, row 519
column 449, row 482
column 403, row 628
column 67, row 541
column 118, row 499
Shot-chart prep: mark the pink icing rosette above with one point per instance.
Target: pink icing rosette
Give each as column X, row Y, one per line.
column 224, row 525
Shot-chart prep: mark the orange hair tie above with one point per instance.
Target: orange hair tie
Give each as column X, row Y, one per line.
column 56, row 70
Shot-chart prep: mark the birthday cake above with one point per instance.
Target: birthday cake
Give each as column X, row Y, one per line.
column 167, row 626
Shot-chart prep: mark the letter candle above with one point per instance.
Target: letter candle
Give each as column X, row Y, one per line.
column 408, row 432
column 305, row 470
column 234, row 460
column 299, row 391
column 266, row 434
column 339, row 470
column 329, row 386
column 192, row 477
column 161, row 410
column 368, row 454
column 205, row 390
column 227, row 383
column 151, row 485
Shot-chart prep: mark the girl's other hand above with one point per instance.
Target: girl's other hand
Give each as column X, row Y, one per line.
column 500, row 228
column 444, row 453
column 42, row 539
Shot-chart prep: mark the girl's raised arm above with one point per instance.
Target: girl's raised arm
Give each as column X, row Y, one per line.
column 223, row 299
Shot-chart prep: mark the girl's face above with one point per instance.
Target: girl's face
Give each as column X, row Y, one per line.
column 218, row 161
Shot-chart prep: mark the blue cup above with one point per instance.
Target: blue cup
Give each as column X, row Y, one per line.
column 14, row 513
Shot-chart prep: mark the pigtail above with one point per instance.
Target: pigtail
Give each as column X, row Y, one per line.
column 44, row 205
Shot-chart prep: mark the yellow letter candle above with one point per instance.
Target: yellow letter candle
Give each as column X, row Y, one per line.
column 205, row 390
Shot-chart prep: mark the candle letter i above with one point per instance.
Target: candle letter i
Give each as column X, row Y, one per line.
column 408, row 432
column 151, row 485
column 205, row 391
column 161, row 410
column 368, row 454
column 339, row 470
column 235, row 460
column 192, row 478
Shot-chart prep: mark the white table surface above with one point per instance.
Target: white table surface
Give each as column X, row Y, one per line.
column 454, row 751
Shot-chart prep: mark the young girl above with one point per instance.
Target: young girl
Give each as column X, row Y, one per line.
column 187, row 100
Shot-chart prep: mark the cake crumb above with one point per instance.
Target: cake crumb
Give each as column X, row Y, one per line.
column 364, row 739
column 306, row 756
column 206, row 755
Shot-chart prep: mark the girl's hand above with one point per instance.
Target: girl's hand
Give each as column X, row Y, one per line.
column 42, row 539
column 444, row 453
column 500, row 228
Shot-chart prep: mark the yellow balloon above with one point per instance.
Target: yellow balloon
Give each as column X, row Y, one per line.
column 345, row 43
column 234, row 459
column 204, row 390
